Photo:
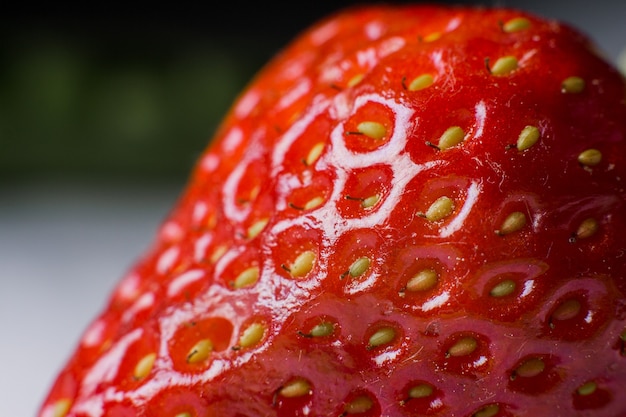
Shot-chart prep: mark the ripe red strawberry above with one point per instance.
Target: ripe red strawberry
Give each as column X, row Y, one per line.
column 411, row 211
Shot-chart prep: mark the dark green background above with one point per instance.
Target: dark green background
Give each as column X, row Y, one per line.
column 118, row 92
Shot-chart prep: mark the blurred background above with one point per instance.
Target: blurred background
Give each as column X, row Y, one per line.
column 102, row 113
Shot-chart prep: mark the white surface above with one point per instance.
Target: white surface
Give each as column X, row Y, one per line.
column 62, row 248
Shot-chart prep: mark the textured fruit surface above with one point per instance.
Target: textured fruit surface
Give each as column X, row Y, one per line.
column 410, row 211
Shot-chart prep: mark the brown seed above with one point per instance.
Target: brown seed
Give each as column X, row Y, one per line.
column 529, row 368
column 381, row 337
column 360, row 404
column 503, row 288
column 504, row 66
column 144, row 366
column 527, row 138
column 572, row 85
column 513, row 222
column 200, row 351
column 423, row 280
column 463, row 347
column 295, row 388
column 440, row 209
column 451, row 137
column 567, row 310
column 516, row 24
column 590, row 157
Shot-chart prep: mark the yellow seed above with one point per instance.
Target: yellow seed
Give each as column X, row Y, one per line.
column 516, row 24
column 252, row 335
column 183, row 414
column 355, row 80
column 247, row 278
column 303, row 264
column 144, row 366
column 359, row 267
column 381, row 337
column 487, row 411
column 527, row 138
column 567, row 310
column 440, row 209
column 322, row 329
column 590, row 157
column 295, row 388
column 314, row 153
column 200, row 351
column 61, row 407
column 373, row 130
column 572, row 85
column 463, row 347
column 256, row 228
column 432, row 37
column 587, row 228
column 451, row 137
column 218, row 253
column 360, row 404
column 370, row 201
column 504, row 66
column 513, row 222
column 503, row 288
column 421, row 391
column 587, row 388
column 313, row 203
column 422, row 281
column 421, row 82
column 530, row 368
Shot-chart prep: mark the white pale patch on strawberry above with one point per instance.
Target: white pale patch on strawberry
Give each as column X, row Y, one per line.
column 387, row 357
column 456, row 224
column 200, row 247
column 209, row 162
column 480, row 112
column 294, row 93
column 200, row 210
column 323, row 33
column 103, row 371
column 232, row 140
column 170, row 231
column 453, row 24
column 129, row 287
column 167, row 259
column 180, row 282
column 94, row 334
column 369, row 57
column 247, row 103
column 374, row 30
column 436, row 301
column 144, row 302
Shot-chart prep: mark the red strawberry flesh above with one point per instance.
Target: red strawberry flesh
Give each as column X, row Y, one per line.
column 411, row 210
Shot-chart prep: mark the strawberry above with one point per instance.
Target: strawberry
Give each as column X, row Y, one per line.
column 412, row 210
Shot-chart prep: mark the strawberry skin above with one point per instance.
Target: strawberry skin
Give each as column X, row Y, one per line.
column 411, row 210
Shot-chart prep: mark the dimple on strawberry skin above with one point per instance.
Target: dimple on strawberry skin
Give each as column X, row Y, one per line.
column 411, row 210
